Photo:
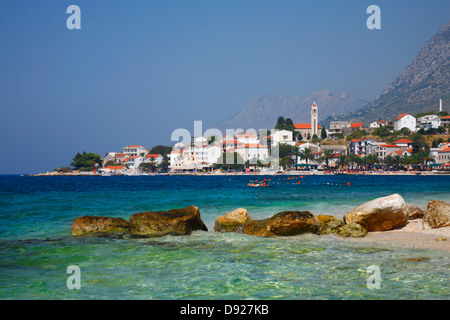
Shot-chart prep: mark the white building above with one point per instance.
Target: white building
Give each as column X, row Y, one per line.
column 430, row 121
column 253, row 152
column 157, row 158
column 358, row 146
column 134, row 150
column 377, row 124
column 282, row 136
column 405, row 120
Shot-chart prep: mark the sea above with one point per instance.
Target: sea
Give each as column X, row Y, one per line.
column 38, row 253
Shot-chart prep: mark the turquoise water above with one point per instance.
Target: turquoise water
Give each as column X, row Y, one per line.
column 36, row 214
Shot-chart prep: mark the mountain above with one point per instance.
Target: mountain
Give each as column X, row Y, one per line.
column 263, row 112
column 418, row 88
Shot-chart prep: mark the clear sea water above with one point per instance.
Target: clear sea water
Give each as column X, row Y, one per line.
column 36, row 214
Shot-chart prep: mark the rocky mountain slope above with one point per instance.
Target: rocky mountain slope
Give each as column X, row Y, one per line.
column 419, row 87
column 263, row 112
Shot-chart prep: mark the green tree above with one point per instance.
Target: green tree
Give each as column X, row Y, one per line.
column 85, row 161
column 232, row 161
column 306, row 154
column 323, row 133
column 160, row 149
column 327, row 154
column 419, row 142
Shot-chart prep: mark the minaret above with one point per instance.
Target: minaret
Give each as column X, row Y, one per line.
column 314, row 120
column 440, row 105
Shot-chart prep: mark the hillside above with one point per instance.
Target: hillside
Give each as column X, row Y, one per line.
column 263, row 112
column 418, row 88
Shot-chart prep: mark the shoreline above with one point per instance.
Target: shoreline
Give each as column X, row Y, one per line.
column 412, row 235
column 270, row 173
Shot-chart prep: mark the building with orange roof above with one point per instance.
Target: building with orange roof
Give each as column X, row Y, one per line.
column 405, row 120
column 445, row 121
column 134, row 150
column 308, row 130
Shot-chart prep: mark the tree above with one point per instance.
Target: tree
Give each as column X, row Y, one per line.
column 353, row 159
column 110, row 163
column 323, row 133
column 315, row 138
column 343, row 160
column 164, row 165
column 160, row 149
column 389, row 161
column 236, row 161
column 85, row 161
column 405, row 131
column 306, row 154
column 285, row 124
column 327, row 154
column 419, row 142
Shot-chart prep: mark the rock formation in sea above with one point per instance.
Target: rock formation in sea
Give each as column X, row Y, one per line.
column 176, row 221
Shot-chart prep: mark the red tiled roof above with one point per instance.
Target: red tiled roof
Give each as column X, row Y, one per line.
column 401, row 116
column 390, row 146
column 114, row 167
column 251, row 145
column 152, row 155
column 403, row 141
column 446, row 117
column 133, row 147
column 356, row 125
column 303, row 126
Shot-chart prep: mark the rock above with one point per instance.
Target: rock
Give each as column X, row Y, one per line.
column 176, row 221
column 328, row 224
column 414, row 212
column 381, row 214
column 232, row 221
column 351, row 230
column 286, row 223
column 437, row 214
column 99, row 225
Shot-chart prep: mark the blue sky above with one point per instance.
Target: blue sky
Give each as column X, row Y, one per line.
column 137, row 70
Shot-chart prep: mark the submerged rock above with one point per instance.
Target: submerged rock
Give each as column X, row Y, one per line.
column 414, row 212
column 286, row 223
column 381, row 214
column 98, row 225
column 352, row 230
column 328, row 224
column 176, row 221
column 437, row 214
column 232, row 221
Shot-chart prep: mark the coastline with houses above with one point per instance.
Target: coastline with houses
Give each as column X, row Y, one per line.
column 399, row 146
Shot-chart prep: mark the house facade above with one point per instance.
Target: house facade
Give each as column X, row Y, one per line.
column 405, row 120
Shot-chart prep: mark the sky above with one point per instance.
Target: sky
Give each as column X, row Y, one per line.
column 138, row 70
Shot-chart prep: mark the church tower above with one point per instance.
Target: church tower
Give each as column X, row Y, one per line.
column 314, row 120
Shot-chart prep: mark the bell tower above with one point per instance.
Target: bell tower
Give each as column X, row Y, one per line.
column 314, row 119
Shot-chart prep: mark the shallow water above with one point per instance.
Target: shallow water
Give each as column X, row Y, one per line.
column 36, row 214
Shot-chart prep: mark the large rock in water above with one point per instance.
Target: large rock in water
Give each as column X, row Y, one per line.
column 176, row 221
column 286, row 223
column 232, row 221
column 381, row 214
column 415, row 212
column 101, row 225
column 352, row 230
column 328, row 224
column 437, row 214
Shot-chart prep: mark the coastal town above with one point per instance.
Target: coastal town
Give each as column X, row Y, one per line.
column 405, row 144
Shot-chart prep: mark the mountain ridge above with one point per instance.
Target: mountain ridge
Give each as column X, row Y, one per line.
column 263, row 112
column 418, row 88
